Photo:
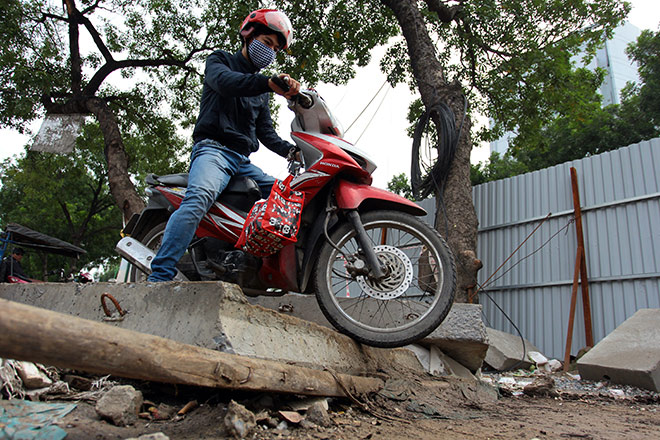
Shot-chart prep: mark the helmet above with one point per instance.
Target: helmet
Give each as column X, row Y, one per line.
column 270, row 18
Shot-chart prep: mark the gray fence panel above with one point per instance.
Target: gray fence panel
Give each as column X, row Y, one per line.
column 620, row 199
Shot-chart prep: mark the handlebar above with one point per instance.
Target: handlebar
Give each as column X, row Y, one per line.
column 301, row 98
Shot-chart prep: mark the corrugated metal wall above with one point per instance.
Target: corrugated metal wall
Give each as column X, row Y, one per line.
column 620, row 199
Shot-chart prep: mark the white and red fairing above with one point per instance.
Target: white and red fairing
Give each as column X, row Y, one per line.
column 316, row 132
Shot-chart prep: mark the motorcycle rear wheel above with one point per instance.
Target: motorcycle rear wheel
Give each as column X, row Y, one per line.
column 409, row 303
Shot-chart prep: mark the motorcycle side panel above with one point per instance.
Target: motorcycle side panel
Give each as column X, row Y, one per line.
column 352, row 195
column 279, row 270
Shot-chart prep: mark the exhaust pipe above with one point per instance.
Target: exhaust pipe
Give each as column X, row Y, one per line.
column 140, row 256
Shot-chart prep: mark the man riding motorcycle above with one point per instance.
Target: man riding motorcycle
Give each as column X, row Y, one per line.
column 234, row 116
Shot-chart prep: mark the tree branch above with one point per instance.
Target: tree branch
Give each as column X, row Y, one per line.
column 105, row 70
column 445, row 13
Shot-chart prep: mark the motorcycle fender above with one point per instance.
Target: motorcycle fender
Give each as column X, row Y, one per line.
column 145, row 220
column 350, row 195
column 158, row 209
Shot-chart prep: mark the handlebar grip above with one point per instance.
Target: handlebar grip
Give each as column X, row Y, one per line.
column 302, row 99
column 279, row 82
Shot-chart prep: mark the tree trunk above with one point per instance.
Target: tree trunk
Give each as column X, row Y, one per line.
column 460, row 225
column 38, row 335
column 122, row 189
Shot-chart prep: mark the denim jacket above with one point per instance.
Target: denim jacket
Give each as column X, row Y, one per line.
column 234, row 106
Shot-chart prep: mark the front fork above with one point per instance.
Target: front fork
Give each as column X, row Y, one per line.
column 375, row 269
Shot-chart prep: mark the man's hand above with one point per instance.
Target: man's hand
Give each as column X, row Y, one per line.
column 294, row 154
column 294, row 86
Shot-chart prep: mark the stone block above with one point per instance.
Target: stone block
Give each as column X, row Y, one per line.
column 120, row 405
column 462, row 335
column 505, row 351
column 629, row 355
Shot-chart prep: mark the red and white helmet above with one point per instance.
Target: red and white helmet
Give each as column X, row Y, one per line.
column 272, row 19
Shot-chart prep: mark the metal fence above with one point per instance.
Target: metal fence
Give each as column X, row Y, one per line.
column 620, row 199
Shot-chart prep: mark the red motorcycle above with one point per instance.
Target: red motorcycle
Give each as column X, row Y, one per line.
column 380, row 275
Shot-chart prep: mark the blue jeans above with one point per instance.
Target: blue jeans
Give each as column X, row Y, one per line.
column 211, row 167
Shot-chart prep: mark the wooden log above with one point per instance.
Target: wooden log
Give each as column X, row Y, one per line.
column 39, row 335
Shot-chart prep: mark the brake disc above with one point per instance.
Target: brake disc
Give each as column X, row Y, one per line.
column 400, row 274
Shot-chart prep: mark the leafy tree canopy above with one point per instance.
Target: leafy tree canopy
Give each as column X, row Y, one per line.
column 595, row 130
column 513, row 57
column 64, row 196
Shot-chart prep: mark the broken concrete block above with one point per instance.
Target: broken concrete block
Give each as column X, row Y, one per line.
column 437, row 363
column 239, row 421
column 449, row 365
column 318, row 414
column 505, row 351
column 32, row 376
column 537, row 358
column 462, row 336
column 154, row 436
column 120, row 405
column 553, row 365
column 628, row 355
column 423, row 355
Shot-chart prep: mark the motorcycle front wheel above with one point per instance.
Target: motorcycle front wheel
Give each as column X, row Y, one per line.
column 409, row 303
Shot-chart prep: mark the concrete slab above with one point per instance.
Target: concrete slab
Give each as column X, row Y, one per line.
column 505, row 351
column 212, row 315
column 462, row 335
column 437, row 363
column 629, row 355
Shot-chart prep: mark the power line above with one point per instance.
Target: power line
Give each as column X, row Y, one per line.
column 373, row 116
column 365, row 107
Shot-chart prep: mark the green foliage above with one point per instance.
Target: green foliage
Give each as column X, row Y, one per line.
column 497, row 167
column 590, row 129
column 66, row 197
column 646, row 52
column 31, row 61
column 513, row 57
column 400, row 185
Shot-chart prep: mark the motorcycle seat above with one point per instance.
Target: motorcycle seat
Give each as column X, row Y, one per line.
column 237, row 185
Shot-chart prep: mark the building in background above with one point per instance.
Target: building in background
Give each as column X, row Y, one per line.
column 619, row 70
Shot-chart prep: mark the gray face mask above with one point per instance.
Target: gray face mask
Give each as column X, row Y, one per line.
column 260, row 54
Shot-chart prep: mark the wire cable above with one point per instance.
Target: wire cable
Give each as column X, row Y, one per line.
column 365, row 107
column 373, row 116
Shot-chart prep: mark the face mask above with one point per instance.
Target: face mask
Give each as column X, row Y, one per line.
column 260, row 54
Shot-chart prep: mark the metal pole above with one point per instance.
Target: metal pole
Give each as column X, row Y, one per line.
column 586, row 303
column 571, row 316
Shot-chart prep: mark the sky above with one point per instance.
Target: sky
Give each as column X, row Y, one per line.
column 381, row 129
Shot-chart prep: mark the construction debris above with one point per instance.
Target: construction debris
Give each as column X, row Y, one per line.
column 32, row 376
column 507, row 351
column 215, row 316
column 239, row 421
column 120, row 405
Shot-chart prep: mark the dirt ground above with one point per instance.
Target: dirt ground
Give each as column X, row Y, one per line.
column 409, row 408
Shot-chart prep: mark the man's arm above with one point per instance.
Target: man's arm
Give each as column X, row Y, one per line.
column 267, row 134
column 226, row 82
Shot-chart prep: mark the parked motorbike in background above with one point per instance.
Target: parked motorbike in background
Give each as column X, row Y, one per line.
column 380, row 274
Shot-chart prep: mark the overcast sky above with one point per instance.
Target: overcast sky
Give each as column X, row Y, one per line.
column 381, row 133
